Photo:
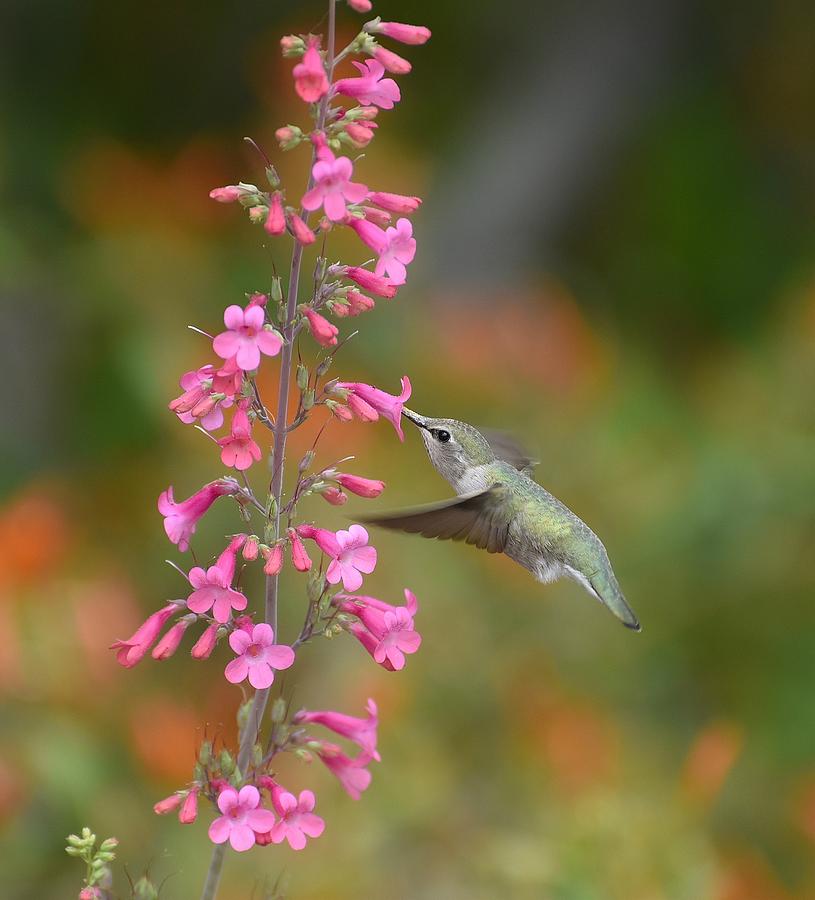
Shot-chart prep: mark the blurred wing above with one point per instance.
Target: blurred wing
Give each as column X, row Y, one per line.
column 481, row 519
column 507, row 447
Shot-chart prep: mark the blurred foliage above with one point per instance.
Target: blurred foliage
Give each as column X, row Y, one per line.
column 662, row 367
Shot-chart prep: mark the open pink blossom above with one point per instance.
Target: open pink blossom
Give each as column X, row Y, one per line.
column 213, row 587
column 370, row 88
column 202, row 401
column 238, row 449
column 181, row 519
column 351, row 773
column 387, row 405
column 310, row 80
column 129, row 652
column 258, row 656
column 387, row 632
column 398, row 203
column 333, row 187
column 246, row 337
column 361, row 731
column 241, row 817
column 297, row 821
column 405, row 34
column 398, row 251
column 355, row 558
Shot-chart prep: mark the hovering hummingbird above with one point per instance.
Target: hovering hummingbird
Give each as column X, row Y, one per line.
column 500, row 509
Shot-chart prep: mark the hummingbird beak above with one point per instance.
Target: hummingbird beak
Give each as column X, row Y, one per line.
column 411, row 416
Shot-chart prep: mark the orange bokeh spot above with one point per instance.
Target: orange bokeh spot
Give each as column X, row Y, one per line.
column 33, row 538
column 165, row 737
column 711, row 757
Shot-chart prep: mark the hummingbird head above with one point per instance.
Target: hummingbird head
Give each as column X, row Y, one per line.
column 457, row 450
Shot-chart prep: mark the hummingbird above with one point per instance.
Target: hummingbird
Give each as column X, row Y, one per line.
column 501, row 509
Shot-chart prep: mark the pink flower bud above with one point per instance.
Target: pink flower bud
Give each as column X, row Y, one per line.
column 362, row 409
column 366, row 112
column 360, row 6
column 129, row 652
column 362, row 487
column 250, row 549
column 168, row 804
column 340, row 412
column 274, row 559
column 91, row 893
column 299, row 557
column 205, row 644
column 377, row 216
column 393, row 62
column 405, row 34
column 244, row 623
column 165, row 648
column 398, row 203
column 291, row 45
column 340, row 309
column 189, row 809
column 302, row 233
column 360, row 134
column 257, row 214
column 358, row 303
column 257, row 299
column 275, row 221
column 321, row 329
column 288, row 136
column 376, row 284
column 228, row 194
column 334, row 496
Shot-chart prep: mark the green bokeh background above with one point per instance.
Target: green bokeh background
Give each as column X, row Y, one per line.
column 650, row 336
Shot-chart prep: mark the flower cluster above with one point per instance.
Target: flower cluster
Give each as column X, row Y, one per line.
column 222, row 399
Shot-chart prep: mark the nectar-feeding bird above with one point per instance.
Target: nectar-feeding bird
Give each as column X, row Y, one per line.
column 501, row 509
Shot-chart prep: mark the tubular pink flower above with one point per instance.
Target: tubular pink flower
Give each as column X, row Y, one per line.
column 238, row 449
column 371, row 87
column 358, row 303
column 377, row 216
column 213, row 588
column 168, row 644
column 181, row 519
column 250, row 549
column 398, row 203
column 361, row 134
column 246, row 337
column 200, row 399
column 302, row 233
column 189, row 809
column 351, row 773
column 321, row 329
column 299, row 557
column 387, row 632
column 334, row 496
column 382, row 287
column 258, row 656
column 362, row 410
column 203, row 647
column 298, row 820
column 355, row 558
column 228, row 194
column 275, row 224
column 242, row 816
column 398, row 250
column 341, row 413
column 362, row 487
column 361, row 731
column 274, row 559
column 310, row 80
column 387, row 405
column 326, row 540
column 167, row 805
column 368, row 641
column 333, row 187
column 371, row 235
column 393, row 62
column 405, row 34
column 129, row 652
column 360, row 6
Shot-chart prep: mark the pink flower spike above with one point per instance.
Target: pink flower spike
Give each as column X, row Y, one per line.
column 393, row 62
column 203, row 647
column 167, row 805
column 129, row 652
column 213, row 588
column 398, row 250
column 181, row 519
column 361, row 731
column 362, row 487
column 370, row 234
column 275, row 224
column 351, row 773
column 371, row 88
column 246, row 337
column 398, row 203
column 258, row 656
column 302, row 233
column 238, row 449
column 333, row 187
column 405, row 34
column 368, row 281
column 321, row 329
column 354, row 559
column 189, row 809
column 299, row 557
column 387, row 405
column 360, row 6
column 310, row 80
column 242, row 817
column 167, row 646
column 228, row 194
column 298, row 820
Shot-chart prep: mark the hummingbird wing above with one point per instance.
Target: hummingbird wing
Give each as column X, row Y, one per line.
column 507, row 447
column 481, row 518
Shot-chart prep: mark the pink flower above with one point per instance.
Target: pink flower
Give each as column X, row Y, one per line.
column 129, row 652
column 297, row 818
column 398, row 203
column 250, row 549
column 168, row 804
column 340, row 412
column 398, row 250
column 246, row 337
column 361, row 731
column 371, row 87
column 321, row 329
column 242, row 817
column 393, row 62
column 361, row 134
column 362, row 487
column 358, row 303
column 200, row 399
column 206, row 643
column 213, row 588
column 238, row 449
column 302, row 233
column 334, row 496
column 360, row 6
column 387, row 405
column 354, row 558
column 333, row 187
column 228, row 194
column 258, row 656
column 275, row 224
column 382, row 287
column 181, row 519
column 274, row 559
column 310, row 80
column 299, row 557
column 405, row 34
column 391, row 627
column 288, row 136
column 351, row 773
column 189, row 810
column 362, row 410
column 167, row 646
column 326, row 540
column 377, row 216
column 370, row 234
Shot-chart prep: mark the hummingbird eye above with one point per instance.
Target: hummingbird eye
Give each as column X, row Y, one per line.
column 442, row 436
